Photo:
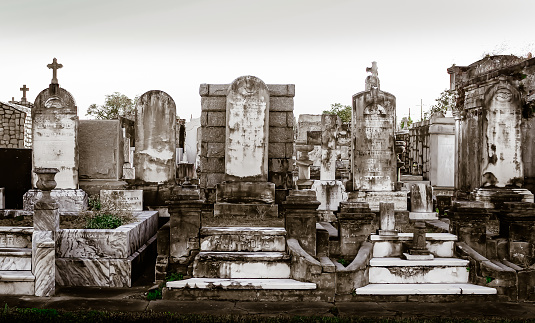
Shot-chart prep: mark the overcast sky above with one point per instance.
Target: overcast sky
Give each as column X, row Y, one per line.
column 323, row 47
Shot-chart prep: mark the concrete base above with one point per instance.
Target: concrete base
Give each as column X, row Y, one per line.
column 424, row 289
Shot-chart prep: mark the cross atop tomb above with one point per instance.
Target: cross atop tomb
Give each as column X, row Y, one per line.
column 372, row 81
column 24, row 89
column 54, row 66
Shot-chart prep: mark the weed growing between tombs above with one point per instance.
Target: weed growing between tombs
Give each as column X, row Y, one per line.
column 157, row 293
column 108, row 213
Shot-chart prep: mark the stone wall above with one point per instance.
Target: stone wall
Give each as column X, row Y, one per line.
column 12, row 130
column 474, row 84
column 213, row 135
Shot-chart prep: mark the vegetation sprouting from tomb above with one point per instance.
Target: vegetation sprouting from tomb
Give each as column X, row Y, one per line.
column 343, row 111
column 446, row 101
column 115, row 105
column 405, row 122
column 108, row 213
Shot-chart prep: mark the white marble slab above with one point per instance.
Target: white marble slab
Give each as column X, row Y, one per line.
column 423, row 289
column 423, row 216
column 418, row 274
column 403, row 236
column 438, row 248
column 17, row 287
column 15, row 259
column 207, row 283
column 107, row 243
column 397, row 262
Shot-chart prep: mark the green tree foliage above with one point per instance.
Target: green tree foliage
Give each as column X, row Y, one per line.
column 405, row 122
column 115, row 105
column 446, row 101
column 343, row 111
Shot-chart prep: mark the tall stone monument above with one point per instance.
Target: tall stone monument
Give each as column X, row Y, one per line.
column 155, row 128
column 55, row 144
column 374, row 160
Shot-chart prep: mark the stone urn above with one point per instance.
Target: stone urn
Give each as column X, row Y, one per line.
column 46, row 183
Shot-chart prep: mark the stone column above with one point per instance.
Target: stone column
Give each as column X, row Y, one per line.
column 301, row 211
column 45, row 224
column 356, row 224
column 469, row 223
column 185, row 222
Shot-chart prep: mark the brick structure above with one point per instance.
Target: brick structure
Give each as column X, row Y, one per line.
column 13, row 125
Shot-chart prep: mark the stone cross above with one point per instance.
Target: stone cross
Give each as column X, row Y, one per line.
column 54, row 66
column 372, row 81
column 24, row 89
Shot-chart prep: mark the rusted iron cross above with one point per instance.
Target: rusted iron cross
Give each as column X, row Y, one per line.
column 54, row 66
column 24, row 89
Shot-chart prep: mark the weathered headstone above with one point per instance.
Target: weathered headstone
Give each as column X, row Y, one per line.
column 373, row 119
column 155, row 128
column 55, row 145
column 374, row 162
column 55, row 133
column 247, row 131
column 422, row 202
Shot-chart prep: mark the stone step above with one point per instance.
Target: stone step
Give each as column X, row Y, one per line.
column 424, row 289
column 234, row 239
column 260, row 290
column 20, row 282
column 401, row 271
column 439, row 244
column 15, row 259
column 209, row 283
column 241, row 265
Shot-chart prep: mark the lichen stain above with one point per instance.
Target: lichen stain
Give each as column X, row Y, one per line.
column 489, row 179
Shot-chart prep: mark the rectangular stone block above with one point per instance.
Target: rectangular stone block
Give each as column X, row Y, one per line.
column 374, row 198
column 212, row 164
column 237, row 239
column 216, row 119
column 276, row 150
column 287, row 90
column 281, row 134
column 277, row 119
column 285, row 104
column 204, row 118
column 213, row 179
column 216, row 149
column 16, row 237
column 213, row 104
column 213, row 134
